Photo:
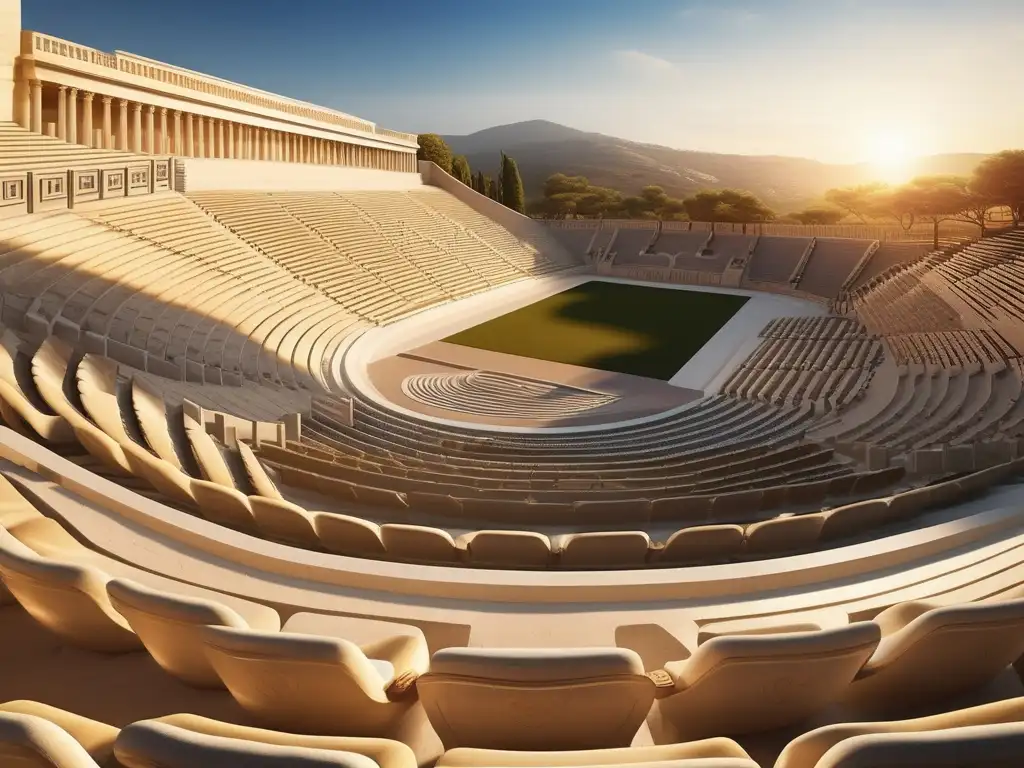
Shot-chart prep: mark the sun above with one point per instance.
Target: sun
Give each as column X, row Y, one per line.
column 889, row 153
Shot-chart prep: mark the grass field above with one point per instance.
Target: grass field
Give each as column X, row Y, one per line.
column 616, row 327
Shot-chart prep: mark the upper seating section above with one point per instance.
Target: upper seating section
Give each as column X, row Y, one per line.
column 22, row 150
column 775, row 258
column 830, row 263
column 889, row 254
column 380, row 254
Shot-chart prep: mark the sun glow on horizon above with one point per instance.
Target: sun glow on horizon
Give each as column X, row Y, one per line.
column 890, row 154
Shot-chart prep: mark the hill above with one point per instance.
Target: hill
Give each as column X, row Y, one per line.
column 542, row 148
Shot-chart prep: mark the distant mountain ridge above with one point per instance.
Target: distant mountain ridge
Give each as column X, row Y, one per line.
column 542, row 148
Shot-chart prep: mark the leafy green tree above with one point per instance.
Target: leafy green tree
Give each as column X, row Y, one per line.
column 488, row 189
column 436, row 150
column 513, row 195
column 932, row 199
column 861, row 201
column 726, row 205
column 818, row 215
column 1000, row 179
column 575, row 197
column 460, row 170
column 478, row 183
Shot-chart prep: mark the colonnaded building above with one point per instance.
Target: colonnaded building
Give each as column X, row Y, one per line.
column 312, row 456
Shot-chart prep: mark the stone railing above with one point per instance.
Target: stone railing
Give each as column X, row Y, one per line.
column 37, row 191
column 39, row 45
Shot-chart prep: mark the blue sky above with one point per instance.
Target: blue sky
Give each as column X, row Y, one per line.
column 837, row 80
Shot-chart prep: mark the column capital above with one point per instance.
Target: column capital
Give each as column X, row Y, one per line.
column 35, row 83
column 62, row 88
column 177, row 112
column 122, row 103
column 163, row 110
column 74, row 90
column 136, row 107
column 107, row 99
column 88, row 95
column 150, row 109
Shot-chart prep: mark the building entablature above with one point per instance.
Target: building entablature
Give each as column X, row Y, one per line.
column 137, row 79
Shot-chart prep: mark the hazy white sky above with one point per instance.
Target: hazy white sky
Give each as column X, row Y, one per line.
column 836, row 80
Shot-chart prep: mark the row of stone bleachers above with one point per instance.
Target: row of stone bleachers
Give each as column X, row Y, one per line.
column 952, row 349
column 903, row 304
column 22, row 150
column 204, row 312
column 685, row 243
column 630, row 243
column 728, row 246
column 472, row 251
column 775, row 258
column 440, row 251
column 890, row 254
column 528, row 257
column 350, row 276
column 825, row 360
column 176, row 224
column 831, row 327
column 491, row 393
column 832, row 259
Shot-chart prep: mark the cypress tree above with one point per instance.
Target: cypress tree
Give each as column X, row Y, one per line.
column 512, row 185
column 460, row 170
column 478, row 183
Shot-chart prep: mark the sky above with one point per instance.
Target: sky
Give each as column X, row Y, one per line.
column 834, row 80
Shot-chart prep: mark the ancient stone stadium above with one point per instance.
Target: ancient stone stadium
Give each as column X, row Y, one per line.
column 313, row 456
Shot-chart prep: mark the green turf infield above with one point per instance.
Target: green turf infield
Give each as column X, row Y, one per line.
column 632, row 329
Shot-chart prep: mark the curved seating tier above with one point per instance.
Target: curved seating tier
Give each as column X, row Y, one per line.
column 490, row 393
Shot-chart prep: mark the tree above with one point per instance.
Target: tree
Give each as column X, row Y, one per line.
column 820, row 215
column 574, row 196
column 460, row 170
column 479, row 184
column 726, row 205
column 861, row 201
column 977, row 209
column 513, row 195
column 496, row 188
column 488, row 187
column 1000, row 179
column 932, row 199
column 435, row 150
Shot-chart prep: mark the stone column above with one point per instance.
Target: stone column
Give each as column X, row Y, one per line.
column 87, row 135
column 72, row 115
column 211, row 138
column 35, row 119
column 150, row 130
column 190, row 141
column 136, row 127
column 178, row 148
column 231, row 141
column 105, row 124
column 162, row 145
column 62, row 112
column 201, row 148
column 122, row 127
column 221, row 147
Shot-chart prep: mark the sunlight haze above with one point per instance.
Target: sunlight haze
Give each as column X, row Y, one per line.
column 833, row 80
